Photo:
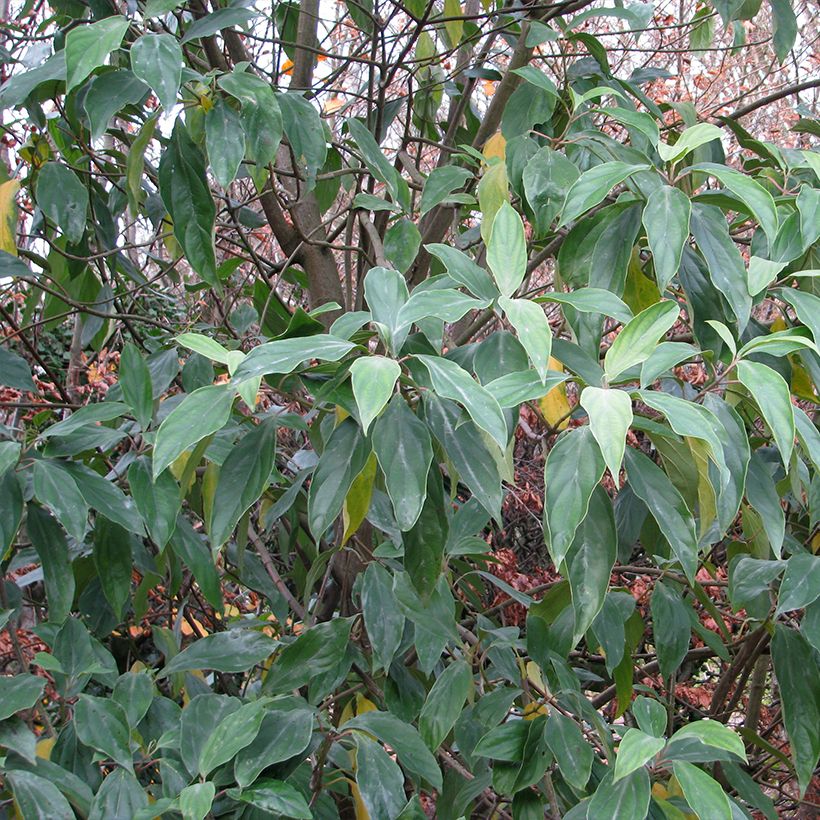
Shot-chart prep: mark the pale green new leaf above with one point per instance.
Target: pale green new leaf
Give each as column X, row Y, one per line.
column 507, row 250
column 666, row 219
column 87, row 46
column 610, row 417
column 373, row 379
column 533, row 329
column 592, row 186
column 771, row 393
column 198, row 415
column 639, row 337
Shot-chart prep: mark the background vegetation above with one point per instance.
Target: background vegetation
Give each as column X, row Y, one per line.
column 409, row 409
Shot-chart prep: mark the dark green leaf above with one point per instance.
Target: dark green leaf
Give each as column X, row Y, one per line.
column 233, row 651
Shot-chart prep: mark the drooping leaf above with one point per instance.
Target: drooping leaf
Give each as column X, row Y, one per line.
column 666, row 219
column 157, row 60
column 187, row 197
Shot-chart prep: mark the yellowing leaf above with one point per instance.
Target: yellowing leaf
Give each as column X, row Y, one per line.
column 454, row 28
column 707, row 502
column 492, row 194
column 534, row 710
column 358, row 803
column 45, row 746
column 364, row 705
column 496, row 146
column 640, row 291
column 555, row 406
column 8, row 216
column 357, row 502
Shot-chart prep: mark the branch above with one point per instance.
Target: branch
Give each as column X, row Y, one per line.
column 773, row 97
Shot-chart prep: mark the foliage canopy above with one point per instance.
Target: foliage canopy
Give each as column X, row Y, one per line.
column 296, row 304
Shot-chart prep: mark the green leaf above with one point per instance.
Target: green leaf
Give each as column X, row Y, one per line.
column 38, row 798
column 215, row 22
column 726, row 268
column 157, row 60
column 157, row 500
column 386, row 293
column 404, row 451
column 285, row 355
column 750, row 192
column 664, row 357
column 112, row 557
column 383, row 620
column 191, row 547
column 195, row 801
column 444, row 703
column 507, row 250
column 444, row 303
column 691, row 138
column 285, row 732
column 785, row 28
column 533, row 330
column 801, row 583
column 9, row 455
column 772, row 396
column 636, row 750
column 404, row 739
column 236, row 650
column 452, row 382
column 19, row 692
column 461, row 268
column 261, row 117
column 120, row 795
column 440, row 184
column 796, row 671
column 401, row 244
column 666, row 219
column 639, row 337
column 524, row 385
column 377, row 162
column 134, row 691
column 276, row 798
column 651, row 715
column 572, row 752
column 198, row 415
column 592, row 187
column 591, row 300
column 243, row 477
column 135, row 380
column 103, row 725
column 54, row 488
column 343, row 458
column 462, row 443
column 590, row 560
column 63, row 198
column 315, row 652
column 667, row 507
column 573, row 469
column 713, row 733
column 234, row 732
column 671, row 627
column 703, row 794
column 52, row 549
column 373, row 378
column 380, row 781
column 225, row 140
column 184, row 188
column 547, row 177
column 807, row 308
column 610, row 417
column 626, row 799
column 15, row 372
column 305, row 132
column 87, row 46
